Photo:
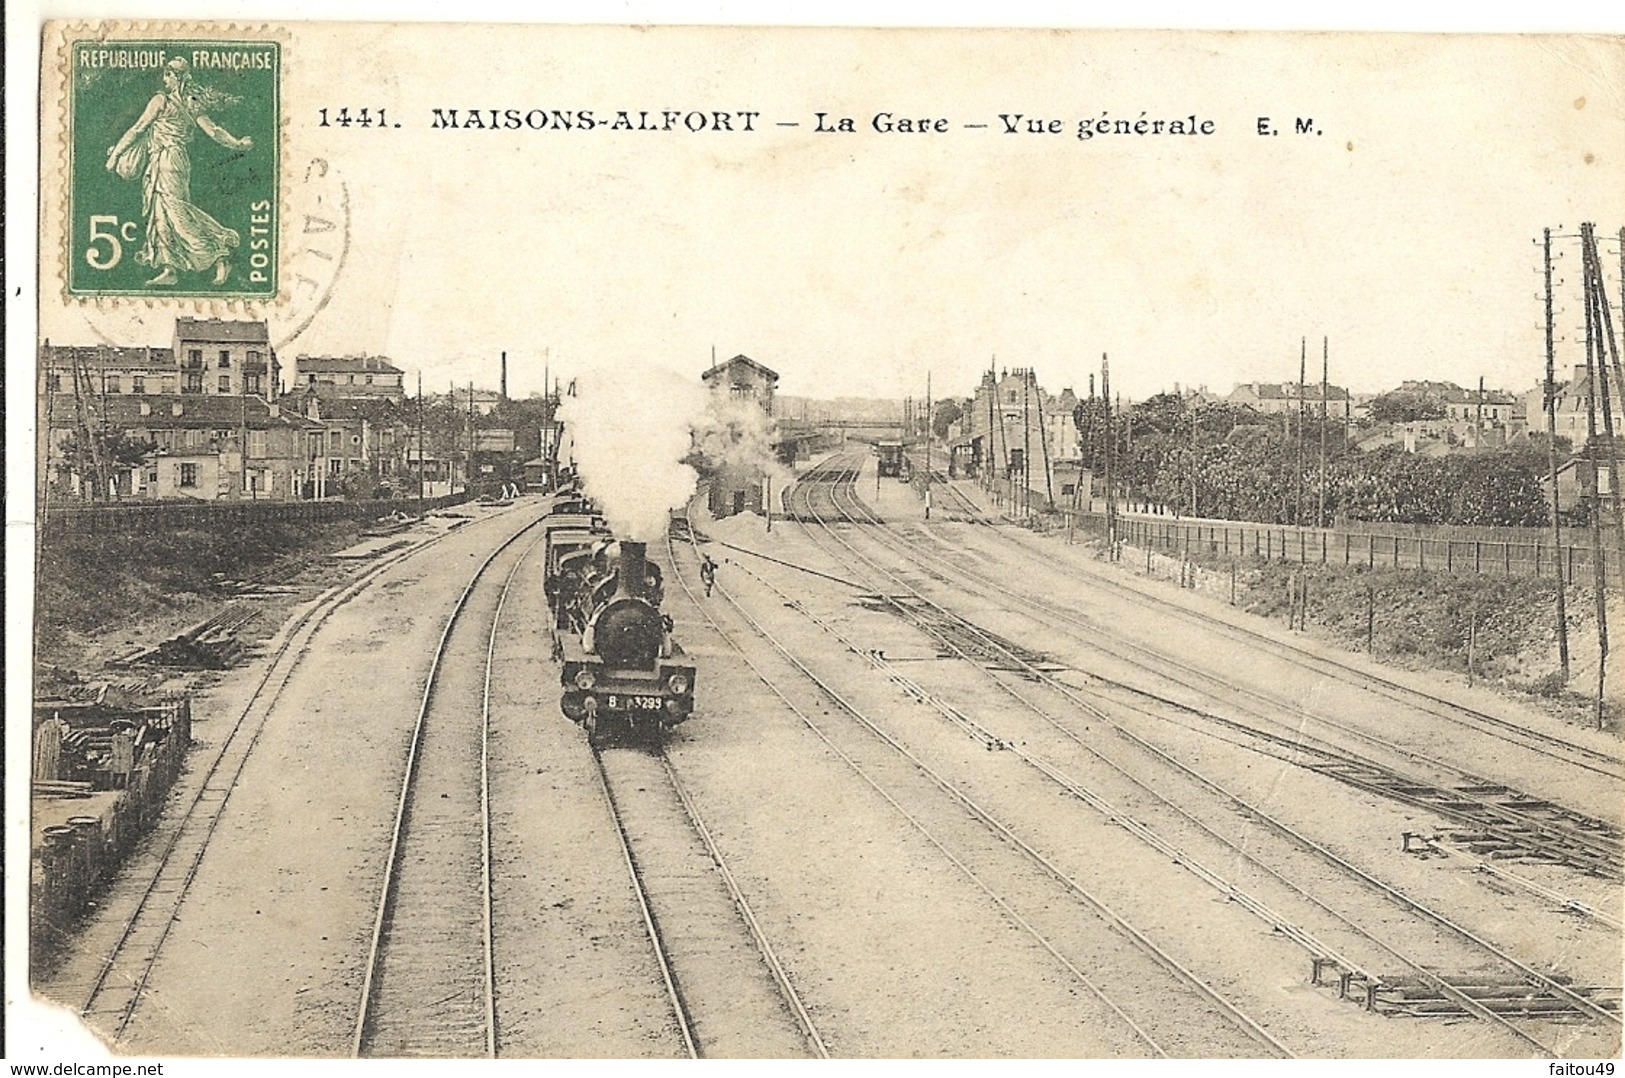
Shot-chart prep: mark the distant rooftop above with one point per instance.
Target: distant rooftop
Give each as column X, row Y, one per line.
column 346, row 365
column 741, row 359
column 102, row 355
column 220, row 329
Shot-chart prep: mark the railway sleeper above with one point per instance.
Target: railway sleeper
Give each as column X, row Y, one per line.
column 1528, row 1005
column 1406, row 995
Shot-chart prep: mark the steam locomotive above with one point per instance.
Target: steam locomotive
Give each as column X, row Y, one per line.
column 619, row 671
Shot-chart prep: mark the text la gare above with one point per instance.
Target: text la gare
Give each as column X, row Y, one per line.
column 886, row 123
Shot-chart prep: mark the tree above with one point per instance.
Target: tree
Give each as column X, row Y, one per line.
column 118, row 450
column 1403, row 406
column 947, row 413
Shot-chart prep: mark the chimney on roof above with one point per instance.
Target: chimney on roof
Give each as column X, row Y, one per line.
column 273, row 410
column 146, row 408
column 177, row 408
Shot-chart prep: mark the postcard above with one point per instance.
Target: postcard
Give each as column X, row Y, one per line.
column 587, row 541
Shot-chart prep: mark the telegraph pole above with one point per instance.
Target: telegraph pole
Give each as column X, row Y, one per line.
column 1043, row 445
column 242, row 437
column 1551, row 467
column 1478, row 415
column 1605, row 331
column 1128, row 438
column 1026, row 448
column 1598, row 573
column 930, row 431
column 1303, row 359
column 420, row 444
column 1111, row 493
column 1325, row 387
column 992, row 392
column 1192, row 466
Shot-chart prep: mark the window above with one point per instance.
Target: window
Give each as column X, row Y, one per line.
column 194, row 357
column 225, row 359
column 111, row 382
column 256, row 443
column 194, row 382
column 168, row 384
column 225, row 383
column 335, row 442
column 251, row 383
column 335, row 466
column 369, row 379
column 138, row 383
column 315, row 445
column 350, row 379
column 188, row 475
column 1010, row 396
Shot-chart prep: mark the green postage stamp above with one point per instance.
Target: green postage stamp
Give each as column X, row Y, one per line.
column 173, row 178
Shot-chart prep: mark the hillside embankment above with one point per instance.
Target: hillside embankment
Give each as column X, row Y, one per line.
column 1498, row 631
column 97, row 595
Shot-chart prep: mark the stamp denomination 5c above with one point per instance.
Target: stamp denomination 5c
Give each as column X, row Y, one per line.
column 173, row 168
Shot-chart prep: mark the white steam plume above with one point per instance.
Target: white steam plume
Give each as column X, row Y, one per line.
column 631, row 429
column 633, row 426
column 735, row 436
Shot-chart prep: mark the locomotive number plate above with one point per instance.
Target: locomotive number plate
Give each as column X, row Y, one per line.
column 626, row 702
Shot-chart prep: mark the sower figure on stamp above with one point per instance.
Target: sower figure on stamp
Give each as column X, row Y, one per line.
column 180, row 236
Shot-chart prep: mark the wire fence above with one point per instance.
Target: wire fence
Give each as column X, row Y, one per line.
column 1438, row 547
column 135, row 519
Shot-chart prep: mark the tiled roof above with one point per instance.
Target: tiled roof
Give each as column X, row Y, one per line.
column 728, row 364
column 374, row 409
column 197, row 410
column 345, row 365
column 96, row 355
column 221, row 329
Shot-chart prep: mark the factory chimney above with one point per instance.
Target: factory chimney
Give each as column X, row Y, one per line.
column 504, row 375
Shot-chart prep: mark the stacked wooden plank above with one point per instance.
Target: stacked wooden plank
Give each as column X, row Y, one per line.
column 209, row 645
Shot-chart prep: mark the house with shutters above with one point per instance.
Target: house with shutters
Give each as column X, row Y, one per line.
column 364, row 377
column 203, row 448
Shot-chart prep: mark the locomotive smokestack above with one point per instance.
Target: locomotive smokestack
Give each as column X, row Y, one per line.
column 633, row 569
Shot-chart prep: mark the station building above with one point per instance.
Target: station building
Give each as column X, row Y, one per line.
column 741, row 488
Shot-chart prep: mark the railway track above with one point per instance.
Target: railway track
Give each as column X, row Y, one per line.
column 1354, row 976
column 1537, row 741
column 708, row 970
column 428, row 988
column 1505, row 820
column 1172, row 1011
column 111, row 991
column 1554, row 997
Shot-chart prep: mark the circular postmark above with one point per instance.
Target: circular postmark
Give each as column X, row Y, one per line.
column 315, row 242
